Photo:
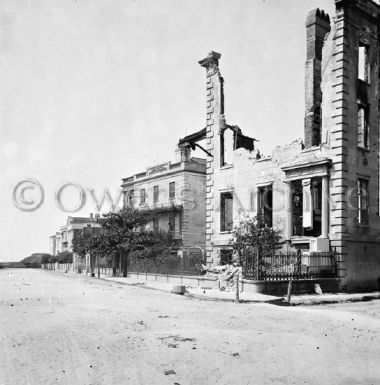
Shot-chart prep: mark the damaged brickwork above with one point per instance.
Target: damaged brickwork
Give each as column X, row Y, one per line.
column 322, row 193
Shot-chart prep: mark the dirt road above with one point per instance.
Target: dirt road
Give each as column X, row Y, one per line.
column 67, row 329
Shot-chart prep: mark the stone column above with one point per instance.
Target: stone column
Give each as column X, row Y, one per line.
column 325, row 207
column 214, row 123
column 289, row 209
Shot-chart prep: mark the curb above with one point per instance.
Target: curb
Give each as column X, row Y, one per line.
column 187, row 294
column 312, row 302
column 278, row 302
column 281, row 301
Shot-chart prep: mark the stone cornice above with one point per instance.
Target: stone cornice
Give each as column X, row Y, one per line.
column 309, row 169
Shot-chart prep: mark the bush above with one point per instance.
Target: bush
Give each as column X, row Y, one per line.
column 252, row 233
column 52, row 259
column 153, row 259
column 65, row 257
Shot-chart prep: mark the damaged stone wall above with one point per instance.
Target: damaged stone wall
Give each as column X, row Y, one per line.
column 332, row 91
column 355, row 22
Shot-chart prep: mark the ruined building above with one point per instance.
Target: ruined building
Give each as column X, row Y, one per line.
column 321, row 193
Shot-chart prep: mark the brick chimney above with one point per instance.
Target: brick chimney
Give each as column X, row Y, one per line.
column 215, row 124
column 317, row 26
column 211, row 63
column 183, row 153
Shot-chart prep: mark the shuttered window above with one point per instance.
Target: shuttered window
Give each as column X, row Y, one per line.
column 171, row 190
column 226, row 211
column 362, row 127
column 363, row 201
column 142, row 196
column 155, row 194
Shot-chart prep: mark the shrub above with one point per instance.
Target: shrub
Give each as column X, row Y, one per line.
column 65, row 257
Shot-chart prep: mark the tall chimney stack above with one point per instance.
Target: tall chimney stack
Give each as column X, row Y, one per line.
column 317, row 26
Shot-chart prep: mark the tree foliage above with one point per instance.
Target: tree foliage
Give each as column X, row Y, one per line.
column 52, row 259
column 65, row 257
column 45, row 258
column 253, row 233
column 35, row 260
column 120, row 231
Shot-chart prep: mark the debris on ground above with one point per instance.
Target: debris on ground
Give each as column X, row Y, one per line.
column 224, row 274
column 317, row 289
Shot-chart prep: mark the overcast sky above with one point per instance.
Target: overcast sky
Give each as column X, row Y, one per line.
column 96, row 90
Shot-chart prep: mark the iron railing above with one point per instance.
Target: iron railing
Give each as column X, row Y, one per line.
column 189, row 263
column 279, row 266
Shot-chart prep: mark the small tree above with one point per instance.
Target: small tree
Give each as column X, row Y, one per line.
column 52, row 259
column 123, row 230
column 120, row 231
column 253, row 233
column 45, row 258
column 65, row 257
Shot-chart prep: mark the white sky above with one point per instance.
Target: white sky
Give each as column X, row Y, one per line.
column 96, row 90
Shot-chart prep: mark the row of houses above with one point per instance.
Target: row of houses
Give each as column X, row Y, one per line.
column 321, row 193
column 62, row 240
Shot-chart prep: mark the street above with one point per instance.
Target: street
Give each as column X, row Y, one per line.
column 58, row 328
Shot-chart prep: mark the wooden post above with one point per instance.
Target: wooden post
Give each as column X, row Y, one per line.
column 97, row 257
column 114, row 265
column 257, row 263
column 92, row 265
column 124, row 264
column 120, row 265
column 237, row 299
column 289, row 296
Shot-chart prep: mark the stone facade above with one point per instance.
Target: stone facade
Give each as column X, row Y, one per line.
column 173, row 193
column 356, row 24
column 321, row 193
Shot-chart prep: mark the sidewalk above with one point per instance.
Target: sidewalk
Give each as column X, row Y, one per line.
column 246, row 297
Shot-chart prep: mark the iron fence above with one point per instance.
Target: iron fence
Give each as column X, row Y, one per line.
column 189, row 262
column 280, row 266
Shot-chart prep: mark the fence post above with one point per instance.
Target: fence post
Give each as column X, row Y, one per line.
column 257, row 265
column 335, row 262
column 289, row 295
column 237, row 299
column 114, row 265
column 120, row 264
column 126, row 264
column 299, row 263
column 182, row 258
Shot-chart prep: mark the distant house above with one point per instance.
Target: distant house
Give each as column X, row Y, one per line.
column 63, row 239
